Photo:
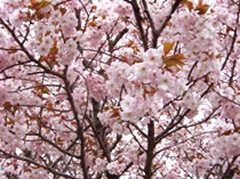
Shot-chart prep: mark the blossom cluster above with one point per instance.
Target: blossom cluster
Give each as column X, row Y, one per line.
column 119, row 89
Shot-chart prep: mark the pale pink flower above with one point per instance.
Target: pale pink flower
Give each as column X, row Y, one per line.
column 3, row 95
column 3, row 62
column 42, row 50
column 68, row 30
column 55, row 16
column 47, row 41
column 100, row 164
column 96, row 87
column 153, row 56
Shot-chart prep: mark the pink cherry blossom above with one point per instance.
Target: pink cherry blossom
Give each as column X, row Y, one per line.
column 3, row 62
column 3, row 95
column 119, row 89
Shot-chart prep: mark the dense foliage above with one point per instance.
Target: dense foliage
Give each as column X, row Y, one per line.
column 119, row 89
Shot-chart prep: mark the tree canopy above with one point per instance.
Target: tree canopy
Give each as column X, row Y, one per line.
column 94, row 89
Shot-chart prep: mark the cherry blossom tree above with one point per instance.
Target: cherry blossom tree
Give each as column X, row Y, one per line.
column 119, row 89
